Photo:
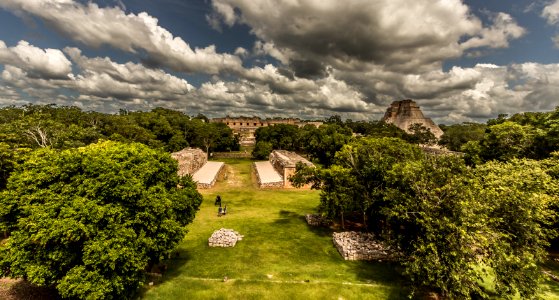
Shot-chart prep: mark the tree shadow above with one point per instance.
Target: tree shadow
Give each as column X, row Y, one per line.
column 288, row 217
column 171, row 270
column 388, row 273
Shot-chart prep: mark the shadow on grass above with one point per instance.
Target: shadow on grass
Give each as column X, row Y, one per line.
column 388, row 273
column 173, row 264
column 289, row 217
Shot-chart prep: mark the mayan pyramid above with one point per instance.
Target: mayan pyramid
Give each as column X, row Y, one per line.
column 405, row 113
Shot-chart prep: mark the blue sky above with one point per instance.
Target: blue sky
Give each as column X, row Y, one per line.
column 460, row 60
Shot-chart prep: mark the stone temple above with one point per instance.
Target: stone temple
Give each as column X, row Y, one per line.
column 405, row 113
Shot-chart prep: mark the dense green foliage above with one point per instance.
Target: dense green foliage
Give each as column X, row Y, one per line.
column 452, row 223
column 524, row 135
column 34, row 126
column 262, row 150
column 91, row 220
column 459, row 134
column 321, row 144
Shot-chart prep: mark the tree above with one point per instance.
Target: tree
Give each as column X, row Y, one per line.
column 453, row 224
column 262, row 150
column 356, row 180
column 281, row 136
column 326, row 141
column 459, row 134
column 421, row 135
column 90, row 220
column 519, row 196
column 435, row 222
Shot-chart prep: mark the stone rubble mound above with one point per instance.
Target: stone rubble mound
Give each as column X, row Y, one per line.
column 224, row 238
column 361, row 246
column 189, row 160
column 316, row 220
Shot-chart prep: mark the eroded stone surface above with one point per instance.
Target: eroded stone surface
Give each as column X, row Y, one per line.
column 285, row 163
column 361, row 246
column 189, row 160
column 405, row 113
column 224, row 238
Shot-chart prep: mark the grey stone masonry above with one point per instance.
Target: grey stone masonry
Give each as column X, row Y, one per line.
column 361, row 246
column 317, row 220
column 224, row 238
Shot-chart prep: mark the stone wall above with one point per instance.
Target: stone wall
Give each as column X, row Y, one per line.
column 224, row 238
column 189, row 160
column 217, row 155
column 317, row 220
column 245, row 127
column 361, row 246
column 285, row 163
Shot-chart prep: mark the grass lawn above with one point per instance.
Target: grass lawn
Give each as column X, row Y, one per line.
column 280, row 256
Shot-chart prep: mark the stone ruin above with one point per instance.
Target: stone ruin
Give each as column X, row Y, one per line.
column 361, row 246
column 190, row 160
column 405, row 113
column 224, row 238
column 317, row 220
column 285, row 163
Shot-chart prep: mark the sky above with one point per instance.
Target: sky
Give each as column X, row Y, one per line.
column 461, row 61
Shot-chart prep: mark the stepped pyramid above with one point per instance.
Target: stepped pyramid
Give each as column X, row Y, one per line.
column 405, row 113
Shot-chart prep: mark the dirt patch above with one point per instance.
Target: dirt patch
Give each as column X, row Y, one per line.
column 233, row 178
column 19, row 289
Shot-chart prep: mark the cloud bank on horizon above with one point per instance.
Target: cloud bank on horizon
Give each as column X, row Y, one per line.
column 308, row 59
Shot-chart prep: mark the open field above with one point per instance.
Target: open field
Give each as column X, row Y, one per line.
column 280, row 257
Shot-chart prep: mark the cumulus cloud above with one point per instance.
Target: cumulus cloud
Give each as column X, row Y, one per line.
column 551, row 12
column 95, row 26
column 47, row 63
column 504, row 28
column 402, row 35
column 97, row 78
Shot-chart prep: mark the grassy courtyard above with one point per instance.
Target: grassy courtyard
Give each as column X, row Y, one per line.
column 280, row 256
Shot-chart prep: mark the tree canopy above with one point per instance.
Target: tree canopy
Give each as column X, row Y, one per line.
column 453, row 223
column 90, row 220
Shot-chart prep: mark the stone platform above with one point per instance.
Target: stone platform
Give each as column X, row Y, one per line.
column 267, row 176
column 207, row 175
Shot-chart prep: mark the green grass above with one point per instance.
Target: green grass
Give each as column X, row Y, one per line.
column 280, row 256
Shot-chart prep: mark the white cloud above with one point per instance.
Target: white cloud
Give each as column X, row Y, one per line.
column 504, row 28
column 48, row 63
column 407, row 36
column 95, row 26
column 551, row 12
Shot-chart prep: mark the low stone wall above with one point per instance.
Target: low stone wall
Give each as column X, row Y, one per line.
column 217, row 155
column 361, row 246
column 224, row 238
column 317, row 220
